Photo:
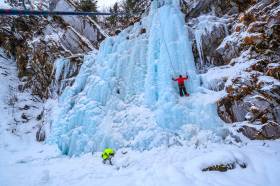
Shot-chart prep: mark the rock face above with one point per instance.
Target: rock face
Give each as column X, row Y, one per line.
column 36, row 42
column 255, row 98
column 252, row 99
column 210, row 21
column 253, row 31
column 194, row 8
column 208, row 32
column 268, row 131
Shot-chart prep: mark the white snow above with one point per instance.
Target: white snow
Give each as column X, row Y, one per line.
column 23, row 162
column 4, row 4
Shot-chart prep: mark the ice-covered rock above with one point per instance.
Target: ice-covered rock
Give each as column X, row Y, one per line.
column 266, row 132
column 208, row 31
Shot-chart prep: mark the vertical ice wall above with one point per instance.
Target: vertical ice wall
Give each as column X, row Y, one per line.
column 125, row 97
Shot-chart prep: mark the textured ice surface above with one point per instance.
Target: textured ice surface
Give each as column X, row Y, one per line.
column 124, row 96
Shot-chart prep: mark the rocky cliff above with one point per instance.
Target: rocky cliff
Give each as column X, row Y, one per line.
column 230, row 34
column 36, row 43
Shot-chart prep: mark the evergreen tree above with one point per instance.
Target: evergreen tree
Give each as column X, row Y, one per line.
column 88, row 6
column 133, row 7
column 113, row 19
column 130, row 6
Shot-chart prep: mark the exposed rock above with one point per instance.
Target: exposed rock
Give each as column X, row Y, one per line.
column 40, row 134
column 271, row 131
column 268, row 131
column 226, row 111
column 193, row 8
column 117, row 32
column 257, row 26
column 40, row 116
column 254, row 97
column 254, row 29
column 247, row 18
column 224, row 167
column 143, row 31
column 250, row 100
column 253, row 39
column 273, row 70
column 228, row 50
column 24, row 118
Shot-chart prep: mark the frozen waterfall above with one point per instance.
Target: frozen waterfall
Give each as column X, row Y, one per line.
column 124, row 95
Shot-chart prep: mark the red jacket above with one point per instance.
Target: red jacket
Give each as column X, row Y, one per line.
column 181, row 80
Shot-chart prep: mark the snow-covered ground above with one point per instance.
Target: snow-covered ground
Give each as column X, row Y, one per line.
column 25, row 162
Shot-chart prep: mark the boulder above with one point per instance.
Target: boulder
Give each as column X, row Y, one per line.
column 268, row 131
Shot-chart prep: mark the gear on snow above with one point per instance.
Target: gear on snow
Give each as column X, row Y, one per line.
column 107, row 155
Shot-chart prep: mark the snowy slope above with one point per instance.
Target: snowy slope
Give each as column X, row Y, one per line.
column 24, row 163
column 125, row 97
column 7, row 81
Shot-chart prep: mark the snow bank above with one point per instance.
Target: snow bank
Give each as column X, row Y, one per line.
column 33, row 164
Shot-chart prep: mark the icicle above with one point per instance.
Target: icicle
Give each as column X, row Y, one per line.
column 198, row 35
column 59, row 65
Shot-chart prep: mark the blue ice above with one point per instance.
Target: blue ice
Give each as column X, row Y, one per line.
column 125, row 97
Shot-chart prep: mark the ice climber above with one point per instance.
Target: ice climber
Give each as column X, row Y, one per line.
column 181, row 84
column 107, row 155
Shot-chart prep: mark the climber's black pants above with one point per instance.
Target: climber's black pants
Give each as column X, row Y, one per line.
column 182, row 90
column 108, row 161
